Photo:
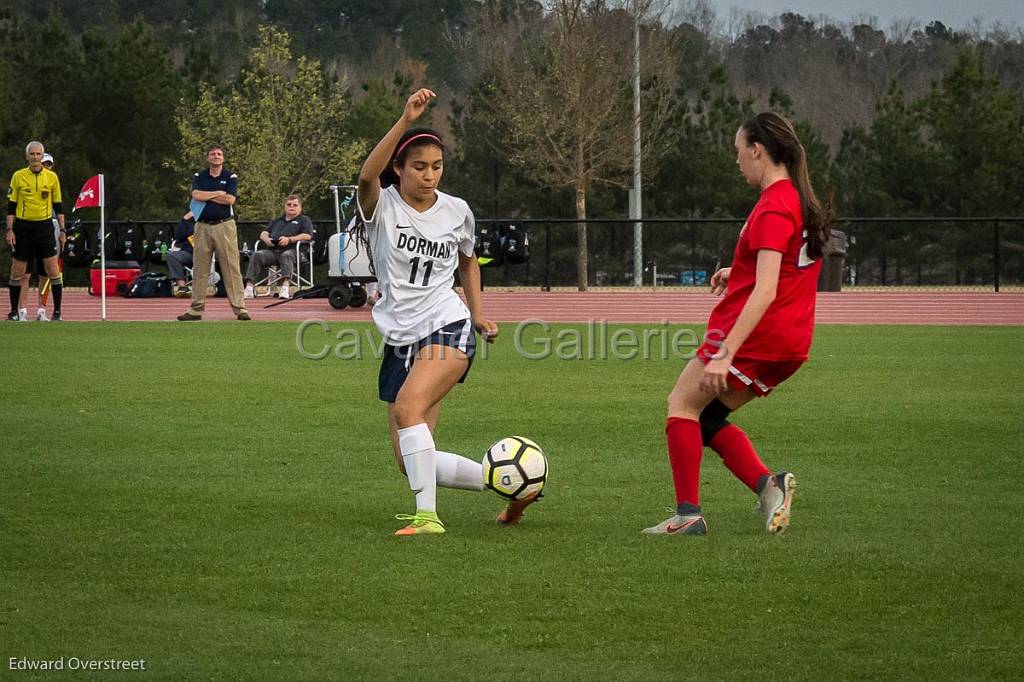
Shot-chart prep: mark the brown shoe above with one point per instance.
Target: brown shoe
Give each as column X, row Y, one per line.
column 243, row 316
column 514, row 511
column 189, row 317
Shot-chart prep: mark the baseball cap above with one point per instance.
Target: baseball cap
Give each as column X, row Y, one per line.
column 47, row 157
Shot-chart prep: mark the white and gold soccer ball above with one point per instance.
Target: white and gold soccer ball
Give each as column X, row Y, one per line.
column 515, row 467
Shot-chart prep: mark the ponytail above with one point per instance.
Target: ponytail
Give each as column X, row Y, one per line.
column 358, row 234
column 778, row 136
column 818, row 218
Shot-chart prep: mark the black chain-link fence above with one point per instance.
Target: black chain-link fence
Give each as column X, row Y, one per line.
column 880, row 252
column 872, row 252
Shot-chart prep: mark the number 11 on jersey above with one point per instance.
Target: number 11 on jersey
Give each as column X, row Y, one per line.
column 428, row 266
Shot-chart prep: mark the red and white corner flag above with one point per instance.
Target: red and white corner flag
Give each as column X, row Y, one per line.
column 91, row 194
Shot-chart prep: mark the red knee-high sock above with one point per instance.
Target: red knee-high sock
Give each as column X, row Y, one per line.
column 739, row 456
column 684, row 452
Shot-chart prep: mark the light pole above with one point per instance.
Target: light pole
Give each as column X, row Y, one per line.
column 636, row 196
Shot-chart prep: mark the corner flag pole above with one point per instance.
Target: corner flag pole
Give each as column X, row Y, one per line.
column 103, row 253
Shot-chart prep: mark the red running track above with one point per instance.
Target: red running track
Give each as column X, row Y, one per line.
column 851, row 307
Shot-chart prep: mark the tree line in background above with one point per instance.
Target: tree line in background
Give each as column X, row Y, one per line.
column 536, row 102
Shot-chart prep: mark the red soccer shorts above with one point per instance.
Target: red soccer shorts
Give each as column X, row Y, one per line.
column 760, row 376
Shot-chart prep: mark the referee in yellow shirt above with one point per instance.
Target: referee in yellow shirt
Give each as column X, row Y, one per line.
column 32, row 200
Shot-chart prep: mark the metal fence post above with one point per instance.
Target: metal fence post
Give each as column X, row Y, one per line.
column 547, row 256
column 995, row 255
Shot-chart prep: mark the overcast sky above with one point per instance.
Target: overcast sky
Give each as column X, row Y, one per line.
column 953, row 13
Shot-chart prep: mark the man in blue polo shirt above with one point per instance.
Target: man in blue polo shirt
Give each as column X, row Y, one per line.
column 214, row 193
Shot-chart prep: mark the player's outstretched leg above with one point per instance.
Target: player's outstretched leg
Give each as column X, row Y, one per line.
column 775, row 499
column 513, row 513
column 456, row 471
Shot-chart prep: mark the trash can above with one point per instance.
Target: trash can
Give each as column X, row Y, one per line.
column 833, row 261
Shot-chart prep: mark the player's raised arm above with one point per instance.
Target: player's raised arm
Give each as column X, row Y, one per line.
column 369, row 175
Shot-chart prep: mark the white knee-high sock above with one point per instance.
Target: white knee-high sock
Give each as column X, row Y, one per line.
column 456, row 471
column 417, row 447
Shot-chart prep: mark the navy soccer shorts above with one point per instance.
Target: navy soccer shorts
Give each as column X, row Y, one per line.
column 398, row 360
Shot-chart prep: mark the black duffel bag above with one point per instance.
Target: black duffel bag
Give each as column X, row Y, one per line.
column 149, row 285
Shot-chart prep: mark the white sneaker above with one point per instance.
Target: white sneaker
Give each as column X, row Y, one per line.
column 23, row 315
column 775, row 501
column 691, row 524
column 285, row 292
column 41, row 315
column 249, row 292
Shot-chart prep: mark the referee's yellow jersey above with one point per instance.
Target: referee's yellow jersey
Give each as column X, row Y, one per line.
column 34, row 194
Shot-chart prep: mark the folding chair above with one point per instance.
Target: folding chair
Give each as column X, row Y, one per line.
column 301, row 279
column 214, row 275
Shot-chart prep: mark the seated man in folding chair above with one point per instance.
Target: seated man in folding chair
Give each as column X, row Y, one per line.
column 278, row 247
column 179, row 257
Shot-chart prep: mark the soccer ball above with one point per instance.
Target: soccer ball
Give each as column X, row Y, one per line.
column 515, row 467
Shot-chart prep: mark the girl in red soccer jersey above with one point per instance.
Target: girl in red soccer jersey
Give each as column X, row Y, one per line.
column 758, row 334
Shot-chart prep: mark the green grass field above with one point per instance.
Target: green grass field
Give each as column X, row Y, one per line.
column 203, row 498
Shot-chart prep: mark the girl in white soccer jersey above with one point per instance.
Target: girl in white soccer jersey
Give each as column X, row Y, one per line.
column 417, row 236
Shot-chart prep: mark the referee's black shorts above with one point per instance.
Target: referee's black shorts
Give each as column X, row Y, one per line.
column 33, row 239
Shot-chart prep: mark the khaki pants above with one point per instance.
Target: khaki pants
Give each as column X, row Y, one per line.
column 221, row 238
